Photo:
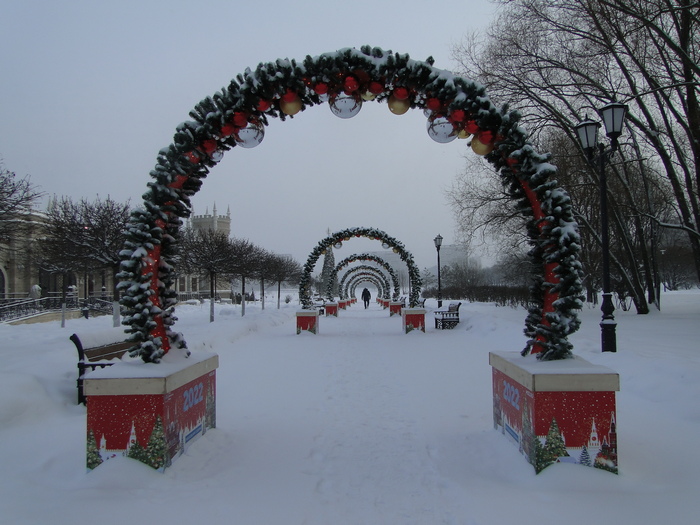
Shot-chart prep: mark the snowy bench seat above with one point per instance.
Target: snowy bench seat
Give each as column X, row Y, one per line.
column 447, row 318
column 98, row 349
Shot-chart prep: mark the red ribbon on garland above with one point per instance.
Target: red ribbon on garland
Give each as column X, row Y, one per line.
column 549, row 275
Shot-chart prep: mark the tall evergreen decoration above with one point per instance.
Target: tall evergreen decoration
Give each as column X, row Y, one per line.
column 455, row 107
column 329, row 278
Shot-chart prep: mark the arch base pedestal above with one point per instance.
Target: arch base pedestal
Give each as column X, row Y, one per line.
column 559, row 411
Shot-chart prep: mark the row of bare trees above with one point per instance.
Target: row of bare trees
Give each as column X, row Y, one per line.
column 558, row 61
column 84, row 236
column 213, row 254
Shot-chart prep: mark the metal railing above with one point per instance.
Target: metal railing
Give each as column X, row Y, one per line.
column 25, row 308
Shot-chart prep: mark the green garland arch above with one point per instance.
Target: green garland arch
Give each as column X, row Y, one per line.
column 366, row 257
column 365, row 270
column 345, row 235
column 237, row 115
column 355, row 280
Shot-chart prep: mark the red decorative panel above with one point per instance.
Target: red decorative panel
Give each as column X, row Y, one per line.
column 550, row 427
column 152, row 428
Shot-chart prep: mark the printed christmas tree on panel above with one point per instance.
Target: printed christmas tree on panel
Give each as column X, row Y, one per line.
column 93, row 453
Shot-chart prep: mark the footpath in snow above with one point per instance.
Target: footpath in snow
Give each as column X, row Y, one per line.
column 358, row 424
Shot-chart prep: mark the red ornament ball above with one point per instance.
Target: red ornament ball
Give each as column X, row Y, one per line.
column 321, row 88
column 290, row 96
column 458, row 115
column 240, row 119
column 264, row 105
column 376, row 87
column 401, row 93
column 471, row 127
column 208, row 146
column 486, row 136
column 227, row 129
column 351, row 84
column 433, row 104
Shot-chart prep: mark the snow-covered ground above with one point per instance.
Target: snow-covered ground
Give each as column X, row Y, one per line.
column 360, row 424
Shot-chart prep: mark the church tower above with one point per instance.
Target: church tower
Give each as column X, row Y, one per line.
column 212, row 221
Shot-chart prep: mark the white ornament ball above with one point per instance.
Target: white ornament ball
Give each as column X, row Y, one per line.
column 345, row 106
column 441, row 130
column 250, row 136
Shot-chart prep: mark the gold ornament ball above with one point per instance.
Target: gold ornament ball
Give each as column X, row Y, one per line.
column 463, row 134
column 291, row 107
column 398, row 107
column 368, row 96
column 480, row 148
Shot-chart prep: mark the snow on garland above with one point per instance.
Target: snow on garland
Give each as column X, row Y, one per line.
column 237, row 115
column 366, row 257
column 345, row 235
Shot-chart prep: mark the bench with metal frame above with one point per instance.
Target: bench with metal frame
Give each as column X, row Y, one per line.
column 447, row 319
column 102, row 351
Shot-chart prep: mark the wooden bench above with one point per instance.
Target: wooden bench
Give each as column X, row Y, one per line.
column 99, row 349
column 447, row 318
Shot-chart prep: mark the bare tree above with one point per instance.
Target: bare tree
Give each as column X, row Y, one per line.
column 85, row 236
column 244, row 263
column 282, row 268
column 557, row 60
column 17, row 197
column 207, row 252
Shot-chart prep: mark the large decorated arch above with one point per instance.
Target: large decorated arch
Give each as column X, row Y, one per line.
column 365, row 257
column 335, row 240
column 364, row 270
column 345, row 79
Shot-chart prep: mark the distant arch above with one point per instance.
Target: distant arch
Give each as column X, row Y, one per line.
column 366, row 270
column 366, row 257
column 358, row 279
column 336, row 239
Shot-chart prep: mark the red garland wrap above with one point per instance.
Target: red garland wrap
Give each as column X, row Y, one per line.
column 549, row 275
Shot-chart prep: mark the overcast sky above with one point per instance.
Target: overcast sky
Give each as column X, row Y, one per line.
column 92, row 90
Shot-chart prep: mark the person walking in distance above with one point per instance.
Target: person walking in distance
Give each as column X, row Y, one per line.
column 366, row 296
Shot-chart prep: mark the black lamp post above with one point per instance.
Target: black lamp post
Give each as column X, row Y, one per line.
column 613, row 115
column 438, row 243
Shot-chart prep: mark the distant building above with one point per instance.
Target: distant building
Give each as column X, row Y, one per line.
column 21, row 276
column 18, row 269
column 212, row 221
column 189, row 285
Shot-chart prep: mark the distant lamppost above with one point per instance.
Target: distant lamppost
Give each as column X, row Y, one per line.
column 613, row 115
column 438, row 243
